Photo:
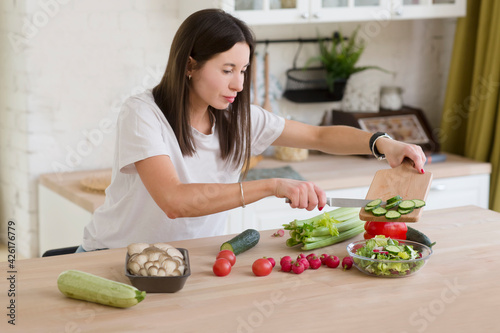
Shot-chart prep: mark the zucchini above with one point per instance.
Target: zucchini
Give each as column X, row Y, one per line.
column 242, row 242
column 392, row 214
column 418, row 236
column 88, row 287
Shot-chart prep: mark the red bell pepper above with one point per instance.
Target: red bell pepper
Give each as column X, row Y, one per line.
column 394, row 230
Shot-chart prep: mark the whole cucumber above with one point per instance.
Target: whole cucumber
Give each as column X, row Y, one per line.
column 88, row 287
column 242, row 242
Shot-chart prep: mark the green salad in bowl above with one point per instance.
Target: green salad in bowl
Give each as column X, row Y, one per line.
column 386, row 257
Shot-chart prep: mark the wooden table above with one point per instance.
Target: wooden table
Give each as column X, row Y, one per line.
column 457, row 291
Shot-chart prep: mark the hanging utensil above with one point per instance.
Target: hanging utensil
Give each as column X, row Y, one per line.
column 255, row 99
column 267, row 101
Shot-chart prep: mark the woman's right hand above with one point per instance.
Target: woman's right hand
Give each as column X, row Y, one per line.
column 302, row 194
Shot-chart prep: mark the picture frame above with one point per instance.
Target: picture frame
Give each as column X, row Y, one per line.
column 407, row 125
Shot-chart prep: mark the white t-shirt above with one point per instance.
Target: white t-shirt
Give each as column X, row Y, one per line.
column 129, row 214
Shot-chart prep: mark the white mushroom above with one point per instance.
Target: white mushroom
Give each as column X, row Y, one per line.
column 148, row 264
column 133, row 267
column 173, row 252
column 157, row 264
column 132, row 257
column 181, row 269
column 143, row 272
column 153, row 271
column 163, row 256
column 162, row 246
column 136, row 248
column 162, row 272
column 169, row 266
column 176, row 273
column 179, row 260
column 141, row 259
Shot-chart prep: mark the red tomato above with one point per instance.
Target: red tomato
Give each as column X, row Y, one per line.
column 229, row 255
column 395, row 230
column 367, row 235
column 262, row 267
column 222, row 267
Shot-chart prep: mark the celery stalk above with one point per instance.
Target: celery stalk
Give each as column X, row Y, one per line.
column 335, row 239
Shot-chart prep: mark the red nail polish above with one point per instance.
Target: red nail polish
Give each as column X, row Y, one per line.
column 321, row 208
column 422, row 171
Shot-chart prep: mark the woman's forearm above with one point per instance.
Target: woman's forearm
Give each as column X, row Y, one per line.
column 191, row 200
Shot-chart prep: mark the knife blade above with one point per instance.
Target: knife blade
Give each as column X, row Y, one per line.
column 345, row 202
column 348, row 202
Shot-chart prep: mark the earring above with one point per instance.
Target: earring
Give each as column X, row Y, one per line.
column 189, row 77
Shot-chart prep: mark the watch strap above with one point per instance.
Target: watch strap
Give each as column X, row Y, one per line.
column 373, row 146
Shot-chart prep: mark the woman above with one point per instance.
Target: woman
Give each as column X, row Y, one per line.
column 181, row 147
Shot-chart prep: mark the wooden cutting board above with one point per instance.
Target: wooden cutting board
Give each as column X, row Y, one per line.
column 403, row 180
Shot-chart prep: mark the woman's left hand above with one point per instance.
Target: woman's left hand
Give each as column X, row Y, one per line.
column 395, row 152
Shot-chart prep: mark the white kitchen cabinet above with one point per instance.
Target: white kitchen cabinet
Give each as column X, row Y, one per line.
column 272, row 213
column 266, row 12
column 60, row 221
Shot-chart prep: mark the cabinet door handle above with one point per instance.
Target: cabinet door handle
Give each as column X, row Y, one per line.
column 317, row 15
column 305, row 15
column 438, row 187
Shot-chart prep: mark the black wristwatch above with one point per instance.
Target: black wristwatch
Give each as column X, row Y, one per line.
column 373, row 146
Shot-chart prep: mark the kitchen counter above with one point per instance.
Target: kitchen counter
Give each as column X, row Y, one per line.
column 457, row 291
column 328, row 172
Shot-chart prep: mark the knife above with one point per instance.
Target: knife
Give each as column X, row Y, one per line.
column 346, row 202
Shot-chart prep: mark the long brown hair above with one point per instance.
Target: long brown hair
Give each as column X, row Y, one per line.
column 201, row 36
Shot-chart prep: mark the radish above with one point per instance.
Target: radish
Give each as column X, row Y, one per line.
column 315, row 262
column 323, row 258
column 298, row 267
column 285, row 259
column 309, row 256
column 300, row 256
column 272, row 261
column 347, row 263
column 304, row 262
column 332, row 261
column 279, row 233
column 286, row 266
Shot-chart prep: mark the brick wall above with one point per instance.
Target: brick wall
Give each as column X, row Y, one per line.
column 66, row 67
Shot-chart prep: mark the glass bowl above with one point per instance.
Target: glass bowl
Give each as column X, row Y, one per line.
column 389, row 268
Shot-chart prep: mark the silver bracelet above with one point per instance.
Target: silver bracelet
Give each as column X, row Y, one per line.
column 242, row 196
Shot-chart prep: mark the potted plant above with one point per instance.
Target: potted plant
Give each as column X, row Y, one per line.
column 339, row 60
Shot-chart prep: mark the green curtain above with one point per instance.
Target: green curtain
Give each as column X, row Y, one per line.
column 470, row 124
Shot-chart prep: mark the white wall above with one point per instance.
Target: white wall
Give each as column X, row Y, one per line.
column 66, row 66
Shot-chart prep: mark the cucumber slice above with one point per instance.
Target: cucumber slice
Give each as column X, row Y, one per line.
column 419, row 203
column 393, row 204
column 379, row 211
column 374, row 203
column 369, row 209
column 392, row 214
column 393, row 248
column 394, row 199
column 242, row 242
column 404, row 211
column 407, row 204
